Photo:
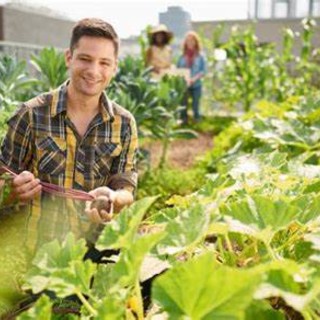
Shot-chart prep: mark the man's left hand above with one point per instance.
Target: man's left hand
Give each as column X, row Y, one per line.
column 100, row 210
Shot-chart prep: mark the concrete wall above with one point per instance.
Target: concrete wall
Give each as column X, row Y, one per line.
column 269, row 30
column 32, row 28
column 23, row 32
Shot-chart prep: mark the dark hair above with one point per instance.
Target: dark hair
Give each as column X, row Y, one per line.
column 166, row 38
column 94, row 27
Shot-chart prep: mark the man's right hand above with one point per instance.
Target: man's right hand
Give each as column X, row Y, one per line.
column 25, row 186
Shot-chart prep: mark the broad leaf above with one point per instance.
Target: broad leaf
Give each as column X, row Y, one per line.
column 201, row 289
column 111, row 308
column 41, row 310
column 262, row 215
column 121, row 231
column 124, row 274
column 60, row 267
column 261, row 310
column 127, row 270
column 186, row 230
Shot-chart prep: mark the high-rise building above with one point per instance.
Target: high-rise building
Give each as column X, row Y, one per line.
column 265, row 9
column 177, row 20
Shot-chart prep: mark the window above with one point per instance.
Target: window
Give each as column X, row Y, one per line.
column 316, row 8
column 302, row 8
column 281, row 9
column 264, row 9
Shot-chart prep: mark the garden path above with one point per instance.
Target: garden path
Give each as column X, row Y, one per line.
column 182, row 153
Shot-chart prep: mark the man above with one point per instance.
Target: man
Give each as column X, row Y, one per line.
column 75, row 137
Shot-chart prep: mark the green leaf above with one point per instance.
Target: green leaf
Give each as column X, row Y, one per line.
column 50, row 63
column 263, row 311
column 183, row 134
column 120, row 277
column 127, row 270
column 121, row 231
column 53, row 255
column 41, row 310
column 314, row 240
column 111, row 308
column 288, row 280
column 184, row 231
column 201, row 289
column 262, row 216
column 60, row 267
column 309, row 206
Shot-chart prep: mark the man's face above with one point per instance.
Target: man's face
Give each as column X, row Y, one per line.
column 92, row 64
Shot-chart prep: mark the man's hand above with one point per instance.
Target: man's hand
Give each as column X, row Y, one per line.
column 25, row 186
column 100, row 210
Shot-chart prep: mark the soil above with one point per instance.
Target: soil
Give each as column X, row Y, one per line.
column 182, row 153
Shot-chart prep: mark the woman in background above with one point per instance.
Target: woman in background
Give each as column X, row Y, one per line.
column 192, row 59
column 159, row 53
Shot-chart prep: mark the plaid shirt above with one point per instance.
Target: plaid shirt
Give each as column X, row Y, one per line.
column 42, row 139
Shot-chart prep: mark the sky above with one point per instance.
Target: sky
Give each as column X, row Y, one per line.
column 129, row 17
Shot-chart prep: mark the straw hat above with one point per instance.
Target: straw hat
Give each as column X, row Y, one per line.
column 161, row 28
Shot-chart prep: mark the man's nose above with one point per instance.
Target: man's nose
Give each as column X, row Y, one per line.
column 94, row 68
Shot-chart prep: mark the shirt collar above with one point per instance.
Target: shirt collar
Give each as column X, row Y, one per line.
column 59, row 103
column 106, row 108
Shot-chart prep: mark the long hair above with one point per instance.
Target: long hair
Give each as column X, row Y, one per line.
column 196, row 37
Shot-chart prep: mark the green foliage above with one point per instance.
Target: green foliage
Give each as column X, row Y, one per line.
column 14, row 82
column 154, row 104
column 50, row 63
column 166, row 182
column 13, row 257
column 242, row 243
column 212, row 125
column 186, row 238
column 255, row 71
column 41, row 310
column 15, row 86
column 201, row 289
column 290, row 127
column 261, row 310
column 121, row 231
column 60, row 267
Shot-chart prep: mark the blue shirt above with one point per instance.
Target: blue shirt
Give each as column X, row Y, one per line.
column 198, row 66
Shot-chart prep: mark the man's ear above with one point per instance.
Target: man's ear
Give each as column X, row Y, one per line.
column 67, row 57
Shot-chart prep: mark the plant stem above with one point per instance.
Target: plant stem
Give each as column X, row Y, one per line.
column 86, row 304
column 140, row 301
column 228, row 242
column 221, row 249
column 165, row 146
column 292, row 239
column 270, row 251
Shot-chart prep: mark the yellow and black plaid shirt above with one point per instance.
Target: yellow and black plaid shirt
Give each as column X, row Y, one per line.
column 42, row 139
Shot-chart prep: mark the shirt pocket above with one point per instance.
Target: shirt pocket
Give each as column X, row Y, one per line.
column 51, row 155
column 104, row 154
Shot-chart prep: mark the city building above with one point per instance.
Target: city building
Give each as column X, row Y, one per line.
column 177, row 20
column 25, row 31
column 271, row 9
column 269, row 18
